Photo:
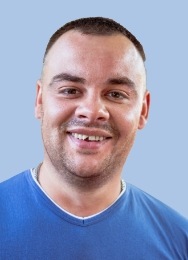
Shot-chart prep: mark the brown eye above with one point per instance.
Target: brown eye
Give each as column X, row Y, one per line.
column 69, row 91
column 116, row 95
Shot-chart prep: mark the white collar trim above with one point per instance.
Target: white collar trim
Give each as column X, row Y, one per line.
column 33, row 174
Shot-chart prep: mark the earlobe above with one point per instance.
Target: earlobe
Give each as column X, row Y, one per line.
column 38, row 100
column 145, row 110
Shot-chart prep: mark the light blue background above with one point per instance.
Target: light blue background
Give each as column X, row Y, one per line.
column 158, row 162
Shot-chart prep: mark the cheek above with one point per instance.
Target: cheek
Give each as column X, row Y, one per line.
column 134, row 114
column 132, row 117
column 128, row 119
column 56, row 112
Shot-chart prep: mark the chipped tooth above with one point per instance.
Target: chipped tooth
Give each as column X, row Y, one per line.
column 90, row 138
column 84, row 137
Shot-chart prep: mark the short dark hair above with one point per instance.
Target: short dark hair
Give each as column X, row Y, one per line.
column 95, row 26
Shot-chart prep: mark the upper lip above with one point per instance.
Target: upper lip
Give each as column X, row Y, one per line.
column 90, row 132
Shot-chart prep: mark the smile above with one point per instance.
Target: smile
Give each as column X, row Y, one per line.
column 88, row 137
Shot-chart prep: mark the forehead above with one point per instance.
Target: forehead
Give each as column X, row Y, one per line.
column 76, row 40
column 94, row 54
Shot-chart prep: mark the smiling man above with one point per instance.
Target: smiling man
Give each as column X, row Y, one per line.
column 91, row 100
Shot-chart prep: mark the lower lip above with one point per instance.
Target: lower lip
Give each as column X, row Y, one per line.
column 91, row 145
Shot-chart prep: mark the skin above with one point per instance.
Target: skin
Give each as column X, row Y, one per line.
column 94, row 86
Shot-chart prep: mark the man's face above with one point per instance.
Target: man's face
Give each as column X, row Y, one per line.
column 91, row 100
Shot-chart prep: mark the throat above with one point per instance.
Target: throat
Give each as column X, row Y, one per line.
column 76, row 201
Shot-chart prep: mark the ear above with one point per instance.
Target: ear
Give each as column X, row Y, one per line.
column 145, row 110
column 38, row 101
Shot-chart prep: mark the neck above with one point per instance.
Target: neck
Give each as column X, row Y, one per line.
column 82, row 203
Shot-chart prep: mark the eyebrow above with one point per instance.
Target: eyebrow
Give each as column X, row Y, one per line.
column 121, row 81
column 72, row 78
column 67, row 77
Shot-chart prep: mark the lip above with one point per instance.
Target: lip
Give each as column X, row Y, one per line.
column 90, row 132
column 88, row 145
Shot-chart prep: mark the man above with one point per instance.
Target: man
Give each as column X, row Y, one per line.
column 91, row 100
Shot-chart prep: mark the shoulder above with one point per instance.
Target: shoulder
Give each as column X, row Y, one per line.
column 156, row 210
column 15, row 179
column 14, row 185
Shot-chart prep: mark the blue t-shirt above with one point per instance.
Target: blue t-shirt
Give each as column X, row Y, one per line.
column 136, row 226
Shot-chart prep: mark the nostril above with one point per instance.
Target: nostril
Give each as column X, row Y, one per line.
column 82, row 116
column 101, row 118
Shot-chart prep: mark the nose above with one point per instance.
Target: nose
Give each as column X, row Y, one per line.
column 92, row 109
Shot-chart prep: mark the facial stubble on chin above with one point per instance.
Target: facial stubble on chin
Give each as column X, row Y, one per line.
column 86, row 179
column 67, row 170
column 76, row 176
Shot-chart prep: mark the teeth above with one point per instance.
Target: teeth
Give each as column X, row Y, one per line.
column 84, row 137
column 90, row 138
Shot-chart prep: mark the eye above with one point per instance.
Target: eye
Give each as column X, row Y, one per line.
column 117, row 95
column 69, row 92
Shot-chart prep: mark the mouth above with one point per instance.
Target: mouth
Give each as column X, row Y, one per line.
column 89, row 138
